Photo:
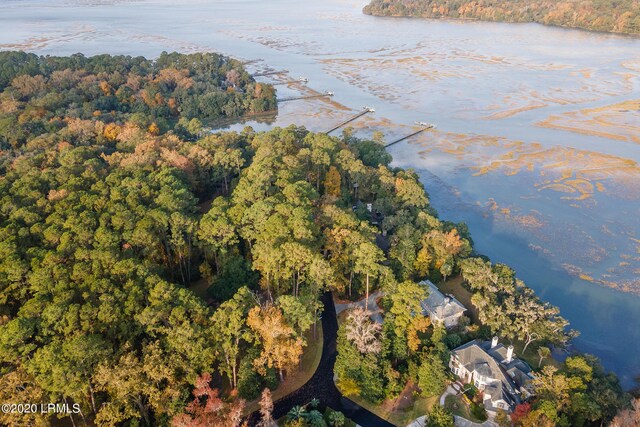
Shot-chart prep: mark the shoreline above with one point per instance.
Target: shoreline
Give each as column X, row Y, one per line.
column 633, row 36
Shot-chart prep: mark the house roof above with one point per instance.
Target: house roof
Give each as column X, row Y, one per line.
column 440, row 305
column 516, row 368
column 474, row 357
column 498, row 392
column 483, row 369
column 491, row 363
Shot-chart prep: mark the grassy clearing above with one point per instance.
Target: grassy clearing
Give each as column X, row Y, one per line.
column 421, row 406
column 531, row 356
column 454, row 287
column 457, row 406
column 391, row 410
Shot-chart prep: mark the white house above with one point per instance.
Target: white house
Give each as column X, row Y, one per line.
column 441, row 308
column 495, row 370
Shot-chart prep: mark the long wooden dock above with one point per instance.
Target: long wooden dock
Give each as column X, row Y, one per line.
column 366, row 110
column 270, row 73
column 409, row 136
column 296, row 98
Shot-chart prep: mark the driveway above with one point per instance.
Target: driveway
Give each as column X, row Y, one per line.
column 463, row 422
column 459, row 422
column 418, row 422
column 376, row 312
column 450, row 391
column 321, row 385
column 453, row 390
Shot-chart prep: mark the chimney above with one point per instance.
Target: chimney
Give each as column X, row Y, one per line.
column 494, row 342
column 509, row 353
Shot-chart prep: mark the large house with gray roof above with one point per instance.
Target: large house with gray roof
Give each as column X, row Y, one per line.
column 495, row 370
column 442, row 309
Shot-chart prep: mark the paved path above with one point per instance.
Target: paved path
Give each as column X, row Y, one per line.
column 376, row 311
column 321, row 385
column 463, row 422
column 418, row 422
column 450, row 391
column 459, row 422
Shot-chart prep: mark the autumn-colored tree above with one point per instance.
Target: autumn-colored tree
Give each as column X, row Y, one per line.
column 111, row 131
column 153, row 129
column 418, row 324
column 281, row 349
column 406, row 315
column 520, row 412
column 332, row 182
column 106, row 88
column 618, row 17
column 207, row 408
column 266, row 409
column 28, row 86
column 440, row 250
column 628, row 417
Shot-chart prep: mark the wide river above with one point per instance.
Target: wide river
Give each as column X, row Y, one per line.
column 538, row 129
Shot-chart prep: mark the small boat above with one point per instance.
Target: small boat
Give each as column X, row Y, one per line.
column 426, row 125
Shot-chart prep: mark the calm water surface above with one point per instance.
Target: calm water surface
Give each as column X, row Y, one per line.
column 538, row 138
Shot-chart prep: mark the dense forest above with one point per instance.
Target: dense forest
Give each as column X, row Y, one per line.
column 44, row 94
column 112, row 206
column 617, row 16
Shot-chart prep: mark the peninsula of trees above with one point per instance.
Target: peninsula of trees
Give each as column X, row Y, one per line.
column 616, row 16
column 114, row 200
column 43, row 94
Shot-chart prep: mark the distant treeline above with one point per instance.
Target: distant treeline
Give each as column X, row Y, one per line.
column 616, row 16
column 42, row 94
